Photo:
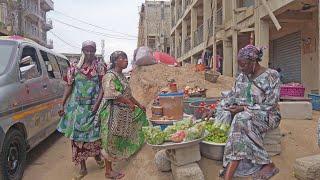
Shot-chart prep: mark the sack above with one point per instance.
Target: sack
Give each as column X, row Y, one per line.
column 144, row 57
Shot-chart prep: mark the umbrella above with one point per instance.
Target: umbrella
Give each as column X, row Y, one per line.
column 164, row 58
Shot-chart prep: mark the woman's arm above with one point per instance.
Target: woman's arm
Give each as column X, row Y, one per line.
column 98, row 101
column 66, row 95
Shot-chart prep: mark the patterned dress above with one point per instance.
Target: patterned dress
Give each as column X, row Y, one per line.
column 78, row 123
column 245, row 143
column 119, row 147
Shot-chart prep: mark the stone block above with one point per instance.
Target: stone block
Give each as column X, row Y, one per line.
column 162, row 162
column 272, row 137
column 273, row 149
column 307, row 168
column 296, row 110
column 187, row 172
column 183, row 156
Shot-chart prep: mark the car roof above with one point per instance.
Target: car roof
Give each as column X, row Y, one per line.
column 20, row 40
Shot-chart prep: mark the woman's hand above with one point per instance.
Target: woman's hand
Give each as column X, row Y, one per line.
column 61, row 112
column 95, row 109
column 235, row 109
column 142, row 107
column 208, row 114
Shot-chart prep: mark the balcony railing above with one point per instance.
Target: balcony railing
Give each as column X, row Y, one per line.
column 179, row 13
column 187, row 44
column 187, row 4
column 245, row 3
column 198, row 36
column 50, row 44
column 219, row 16
column 3, row 13
column 48, row 24
column 32, row 11
column 47, row 5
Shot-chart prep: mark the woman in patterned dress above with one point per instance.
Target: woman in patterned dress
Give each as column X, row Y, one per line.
column 121, row 116
column 77, row 121
column 252, row 109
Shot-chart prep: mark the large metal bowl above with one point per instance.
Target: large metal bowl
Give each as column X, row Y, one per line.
column 212, row 150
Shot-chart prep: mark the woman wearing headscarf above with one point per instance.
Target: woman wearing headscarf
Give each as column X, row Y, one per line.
column 121, row 116
column 252, row 109
column 77, row 121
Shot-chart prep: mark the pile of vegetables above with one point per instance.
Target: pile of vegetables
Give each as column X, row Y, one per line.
column 217, row 134
column 184, row 130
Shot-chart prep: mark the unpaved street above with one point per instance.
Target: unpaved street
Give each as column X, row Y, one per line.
column 51, row 160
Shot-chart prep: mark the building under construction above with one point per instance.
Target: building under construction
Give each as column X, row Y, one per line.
column 289, row 29
column 154, row 25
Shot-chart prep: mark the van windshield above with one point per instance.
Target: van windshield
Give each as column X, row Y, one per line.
column 6, row 51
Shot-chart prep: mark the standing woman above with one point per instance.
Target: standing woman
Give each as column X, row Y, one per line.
column 77, row 121
column 122, row 117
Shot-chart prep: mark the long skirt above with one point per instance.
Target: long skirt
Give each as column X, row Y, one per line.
column 82, row 150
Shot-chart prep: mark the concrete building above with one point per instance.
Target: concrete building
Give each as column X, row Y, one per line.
column 154, row 25
column 27, row 18
column 289, row 29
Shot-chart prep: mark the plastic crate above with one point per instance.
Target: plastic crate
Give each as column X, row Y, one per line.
column 315, row 100
column 294, row 91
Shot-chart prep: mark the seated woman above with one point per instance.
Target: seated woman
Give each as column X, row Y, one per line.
column 252, row 109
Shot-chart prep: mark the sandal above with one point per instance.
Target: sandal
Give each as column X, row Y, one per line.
column 265, row 175
column 115, row 175
column 100, row 164
column 80, row 175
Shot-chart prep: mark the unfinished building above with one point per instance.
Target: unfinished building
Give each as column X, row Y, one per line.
column 289, row 29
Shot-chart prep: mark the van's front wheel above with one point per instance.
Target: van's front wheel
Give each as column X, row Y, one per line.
column 13, row 155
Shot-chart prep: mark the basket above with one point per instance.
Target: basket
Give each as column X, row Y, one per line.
column 195, row 105
column 186, row 104
column 315, row 100
column 294, row 91
column 211, row 77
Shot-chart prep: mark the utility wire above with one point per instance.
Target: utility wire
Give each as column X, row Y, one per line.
column 85, row 22
column 55, row 35
column 90, row 31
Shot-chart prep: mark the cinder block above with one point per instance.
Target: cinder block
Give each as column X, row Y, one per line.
column 296, row 110
column 183, row 156
column 307, row 168
column 273, row 149
column 187, row 172
column 162, row 162
column 272, row 137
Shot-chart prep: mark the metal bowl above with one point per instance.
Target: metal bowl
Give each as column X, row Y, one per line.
column 212, row 150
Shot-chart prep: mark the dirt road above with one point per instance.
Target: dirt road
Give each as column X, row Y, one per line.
column 51, row 160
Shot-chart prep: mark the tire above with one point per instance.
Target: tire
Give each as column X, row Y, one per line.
column 13, row 156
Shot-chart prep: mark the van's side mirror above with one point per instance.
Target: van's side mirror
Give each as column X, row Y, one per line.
column 26, row 61
column 28, row 72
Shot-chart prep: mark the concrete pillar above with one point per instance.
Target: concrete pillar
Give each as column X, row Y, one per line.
column 227, row 58
column 193, row 24
column 176, row 42
column 261, row 29
column 234, row 41
column 183, row 5
column 206, row 15
column 318, row 35
column 176, row 10
column 184, row 35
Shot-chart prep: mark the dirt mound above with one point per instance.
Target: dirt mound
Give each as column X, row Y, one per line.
column 147, row 81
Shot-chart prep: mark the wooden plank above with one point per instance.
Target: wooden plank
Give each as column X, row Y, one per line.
column 272, row 16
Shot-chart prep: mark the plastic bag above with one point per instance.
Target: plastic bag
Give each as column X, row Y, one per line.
column 143, row 57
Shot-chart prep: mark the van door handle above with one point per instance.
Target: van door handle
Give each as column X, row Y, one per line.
column 45, row 86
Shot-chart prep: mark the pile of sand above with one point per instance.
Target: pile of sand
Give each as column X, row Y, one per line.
column 147, row 81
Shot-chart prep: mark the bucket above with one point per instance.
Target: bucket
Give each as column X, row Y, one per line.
column 187, row 101
column 172, row 104
column 195, row 105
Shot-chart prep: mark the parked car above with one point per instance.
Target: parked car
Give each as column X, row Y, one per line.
column 31, row 90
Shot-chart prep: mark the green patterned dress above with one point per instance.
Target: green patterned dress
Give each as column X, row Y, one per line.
column 119, row 147
column 78, row 123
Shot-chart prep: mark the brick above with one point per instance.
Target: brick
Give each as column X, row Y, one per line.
column 183, row 156
column 187, row 172
column 307, row 168
column 296, row 110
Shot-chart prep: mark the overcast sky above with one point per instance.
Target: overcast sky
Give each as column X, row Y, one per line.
column 117, row 15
